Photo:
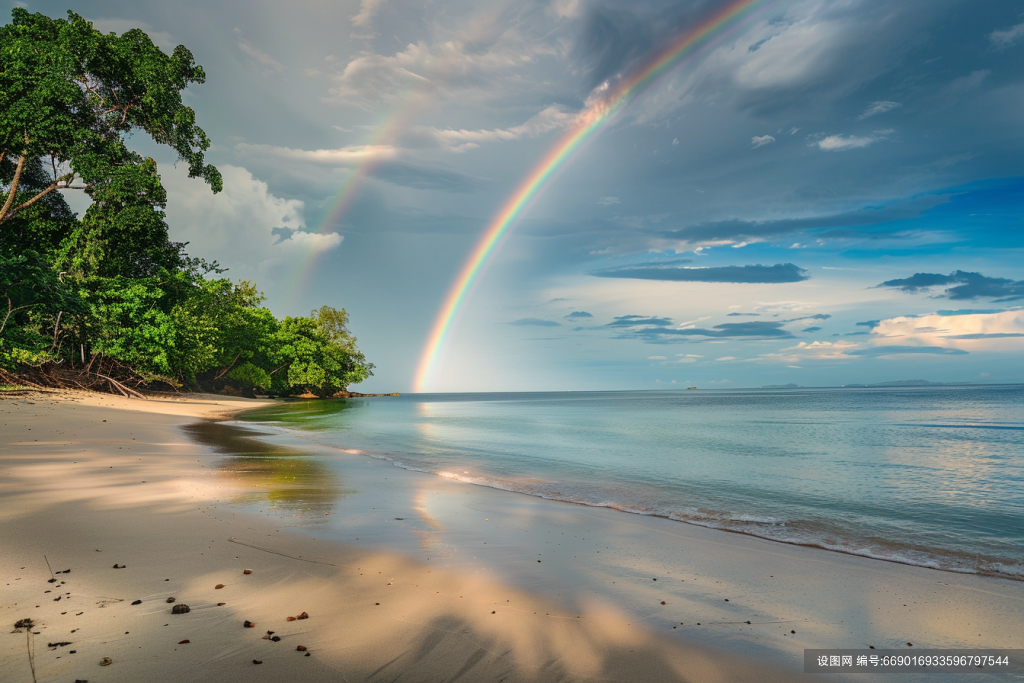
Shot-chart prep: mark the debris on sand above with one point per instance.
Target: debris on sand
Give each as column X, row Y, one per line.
column 181, row 608
column 106, row 661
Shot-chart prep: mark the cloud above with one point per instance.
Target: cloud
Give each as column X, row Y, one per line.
column 262, row 62
column 1007, row 37
column 821, row 226
column 551, row 118
column 660, row 330
column 344, row 156
column 608, row 201
column 811, row 329
column 669, row 271
column 876, row 351
column 576, row 315
column 638, row 321
column 841, row 143
column 377, row 161
column 876, row 108
column 254, row 233
column 990, row 331
column 967, row 285
column 367, row 10
column 539, row 322
column 732, row 315
column 761, row 140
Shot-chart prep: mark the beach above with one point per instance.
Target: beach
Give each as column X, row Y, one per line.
column 93, row 482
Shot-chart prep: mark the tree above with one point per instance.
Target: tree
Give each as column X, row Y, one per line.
column 68, row 96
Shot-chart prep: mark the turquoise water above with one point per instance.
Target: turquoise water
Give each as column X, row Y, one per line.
column 931, row 476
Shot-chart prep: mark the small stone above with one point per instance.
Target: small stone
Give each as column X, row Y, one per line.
column 248, row 624
column 180, row 608
column 303, row 616
column 290, row 619
column 221, row 604
column 218, row 586
column 910, row 645
column 170, row 600
column 106, row 661
column 276, row 639
column 663, row 602
column 306, row 655
column 727, row 599
column 119, row 566
column 257, row 661
column 137, row 602
column 300, row 648
column 795, row 632
column 247, row 571
column 184, row 642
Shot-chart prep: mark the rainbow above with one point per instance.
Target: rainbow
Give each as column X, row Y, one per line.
column 599, row 110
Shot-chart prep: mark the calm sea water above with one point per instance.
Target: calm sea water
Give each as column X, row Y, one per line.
column 931, row 476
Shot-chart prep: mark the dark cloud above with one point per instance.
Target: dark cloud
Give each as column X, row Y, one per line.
column 638, row 321
column 731, row 315
column 539, row 322
column 816, row 316
column 423, row 177
column 967, row 311
column 896, row 350
column 823, row 226
column 966, row 285
column 869, row 323
column 780, row 272
column 659, row 330
column 811, row 329
column 575, row 315
column 986, row 335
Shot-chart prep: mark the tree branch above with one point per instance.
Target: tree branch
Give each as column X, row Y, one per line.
column 14, row 189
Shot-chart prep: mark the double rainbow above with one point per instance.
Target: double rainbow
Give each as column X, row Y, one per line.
column 598, row 111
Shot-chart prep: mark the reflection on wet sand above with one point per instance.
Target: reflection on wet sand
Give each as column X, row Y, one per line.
column 305, row 414
column 270, row 475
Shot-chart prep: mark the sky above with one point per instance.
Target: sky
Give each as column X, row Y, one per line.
column 815, row 193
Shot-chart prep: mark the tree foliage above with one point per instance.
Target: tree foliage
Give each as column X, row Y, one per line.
column 110, row 286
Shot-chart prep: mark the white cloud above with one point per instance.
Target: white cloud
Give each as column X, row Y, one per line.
column 367, row 11
column 811, row 351
column 344, row 156
column 608, row 201
column 236, row 226
column 878, row 108
column 761, row 140
column 840, row 143
column 260, row 60
column 988, row 331
column 657, row 358
column 550, row 118
column 1005, row 38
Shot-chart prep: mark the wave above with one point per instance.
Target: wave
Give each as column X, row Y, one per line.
column 802, row 532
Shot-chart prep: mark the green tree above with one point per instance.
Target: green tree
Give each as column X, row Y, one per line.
column 68, row 96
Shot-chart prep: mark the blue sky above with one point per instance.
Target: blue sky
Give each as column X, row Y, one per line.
column 832, row 194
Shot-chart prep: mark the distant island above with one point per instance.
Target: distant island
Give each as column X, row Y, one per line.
column 895, row 383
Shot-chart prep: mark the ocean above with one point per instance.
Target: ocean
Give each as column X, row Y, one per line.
column 930, row 476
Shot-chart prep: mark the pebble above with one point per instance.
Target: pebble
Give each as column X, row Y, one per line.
column 184, row 642
column 249, row 624
column 170, row 600
column 119, row 566
column 180, row 608
column 137, row 602
column 106, row 661
column 300, row 648
column 219, row 586
column 257, row 661
column 247, row 571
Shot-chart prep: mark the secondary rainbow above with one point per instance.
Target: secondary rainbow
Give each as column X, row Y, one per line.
column 590, row 119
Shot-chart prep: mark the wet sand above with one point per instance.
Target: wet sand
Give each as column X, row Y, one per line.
column 92, row 482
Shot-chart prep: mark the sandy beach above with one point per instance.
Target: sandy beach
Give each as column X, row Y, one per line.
column 91, row 482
